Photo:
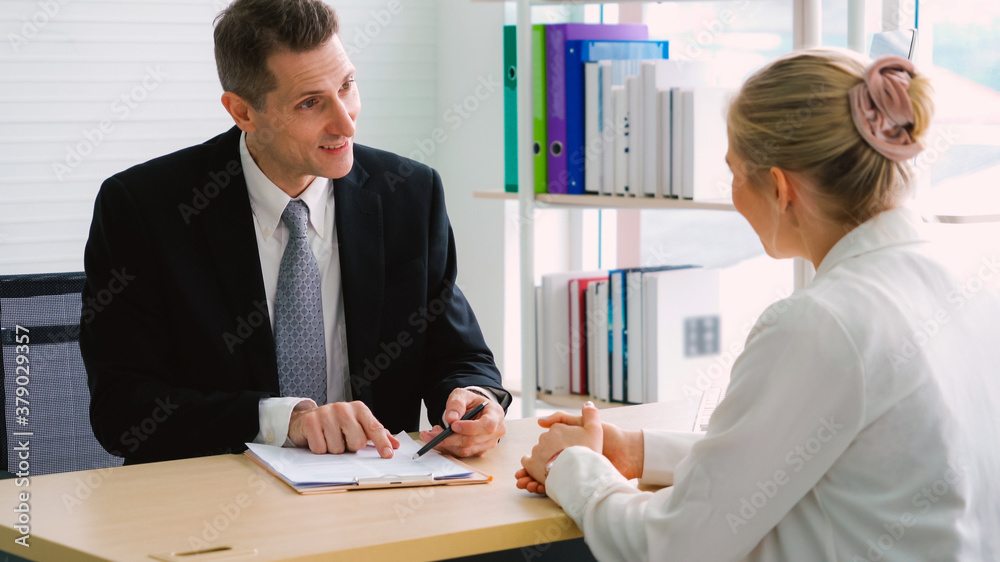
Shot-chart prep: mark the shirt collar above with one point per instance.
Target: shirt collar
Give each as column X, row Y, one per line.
column 268, row 201
column 890, row 228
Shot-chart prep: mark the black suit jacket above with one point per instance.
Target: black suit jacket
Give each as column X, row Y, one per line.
column 175, row 332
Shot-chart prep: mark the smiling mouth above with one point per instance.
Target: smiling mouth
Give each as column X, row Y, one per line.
column 334, row 146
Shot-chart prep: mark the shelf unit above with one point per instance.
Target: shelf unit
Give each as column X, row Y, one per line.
column 806, row 30
column 563, row 201
column 807, row 25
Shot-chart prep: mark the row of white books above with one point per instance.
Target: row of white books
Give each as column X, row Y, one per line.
column 655, row 128
column 628, row 335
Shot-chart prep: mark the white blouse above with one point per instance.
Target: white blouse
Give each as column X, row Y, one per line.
column 861, row 423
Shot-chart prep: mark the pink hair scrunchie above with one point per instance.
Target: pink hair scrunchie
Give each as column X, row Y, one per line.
column 882, row 109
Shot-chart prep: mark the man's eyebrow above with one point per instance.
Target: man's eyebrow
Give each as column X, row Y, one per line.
column 347, row 75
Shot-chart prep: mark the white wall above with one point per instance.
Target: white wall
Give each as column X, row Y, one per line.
column 392, row 43
column 470, row 66
column 88, row 88
column 91, row 87
column 66, row 65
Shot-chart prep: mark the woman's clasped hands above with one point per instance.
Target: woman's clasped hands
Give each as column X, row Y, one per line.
column 622, row 448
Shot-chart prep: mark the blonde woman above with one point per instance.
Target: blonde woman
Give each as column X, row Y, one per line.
column 861, row 420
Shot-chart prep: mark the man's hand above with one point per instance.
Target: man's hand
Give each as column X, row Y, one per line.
column 339, row 427
column 471, row 437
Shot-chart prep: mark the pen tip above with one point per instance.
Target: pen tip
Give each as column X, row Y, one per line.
column 416, row 456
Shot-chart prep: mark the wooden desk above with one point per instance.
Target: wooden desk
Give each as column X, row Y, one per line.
column 128, row 513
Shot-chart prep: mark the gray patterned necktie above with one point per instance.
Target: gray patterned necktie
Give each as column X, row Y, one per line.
column 298, row 313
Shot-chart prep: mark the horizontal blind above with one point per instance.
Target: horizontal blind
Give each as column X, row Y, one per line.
column 91, row 87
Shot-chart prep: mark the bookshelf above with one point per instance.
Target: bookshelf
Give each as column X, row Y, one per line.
column 559, row 200
column 806, row 15
column 806, row 31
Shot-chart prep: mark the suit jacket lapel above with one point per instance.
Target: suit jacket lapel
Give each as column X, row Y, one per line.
column 227, row 221
column 362, row 268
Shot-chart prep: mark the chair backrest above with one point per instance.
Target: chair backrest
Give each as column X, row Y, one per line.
column 45, row 396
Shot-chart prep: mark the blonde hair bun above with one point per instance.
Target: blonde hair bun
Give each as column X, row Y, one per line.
column 796, row 114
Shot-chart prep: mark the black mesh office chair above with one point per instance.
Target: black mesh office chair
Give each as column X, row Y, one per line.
column 42, row 312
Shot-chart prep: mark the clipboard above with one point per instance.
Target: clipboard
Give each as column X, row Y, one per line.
column 456, row 473
column 387, row 481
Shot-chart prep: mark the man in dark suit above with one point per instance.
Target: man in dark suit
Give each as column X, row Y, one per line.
column 277, row 283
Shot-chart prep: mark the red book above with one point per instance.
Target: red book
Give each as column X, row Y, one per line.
column 581, row 323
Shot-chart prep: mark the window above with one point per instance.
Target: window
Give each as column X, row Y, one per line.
column 960, row 166
column 961, row 52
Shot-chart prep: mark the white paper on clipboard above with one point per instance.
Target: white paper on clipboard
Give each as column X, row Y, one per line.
column 303, row 469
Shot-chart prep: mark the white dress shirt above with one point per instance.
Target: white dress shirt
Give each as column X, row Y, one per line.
column 268, row 202
column 861, row 423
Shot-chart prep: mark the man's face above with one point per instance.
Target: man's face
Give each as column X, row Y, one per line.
column 308, row 123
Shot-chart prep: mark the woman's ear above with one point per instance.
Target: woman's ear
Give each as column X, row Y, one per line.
column 784, row 189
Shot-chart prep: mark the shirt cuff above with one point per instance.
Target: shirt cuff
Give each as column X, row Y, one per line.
column 485, row 392
column 501, row 397
column 577, row 474
column 274, row 414
column 662, row 451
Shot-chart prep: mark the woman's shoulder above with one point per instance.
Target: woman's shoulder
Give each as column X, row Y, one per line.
column 800, row 313
column 886, row 289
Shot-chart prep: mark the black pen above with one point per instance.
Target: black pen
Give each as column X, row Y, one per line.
column 444, row 434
